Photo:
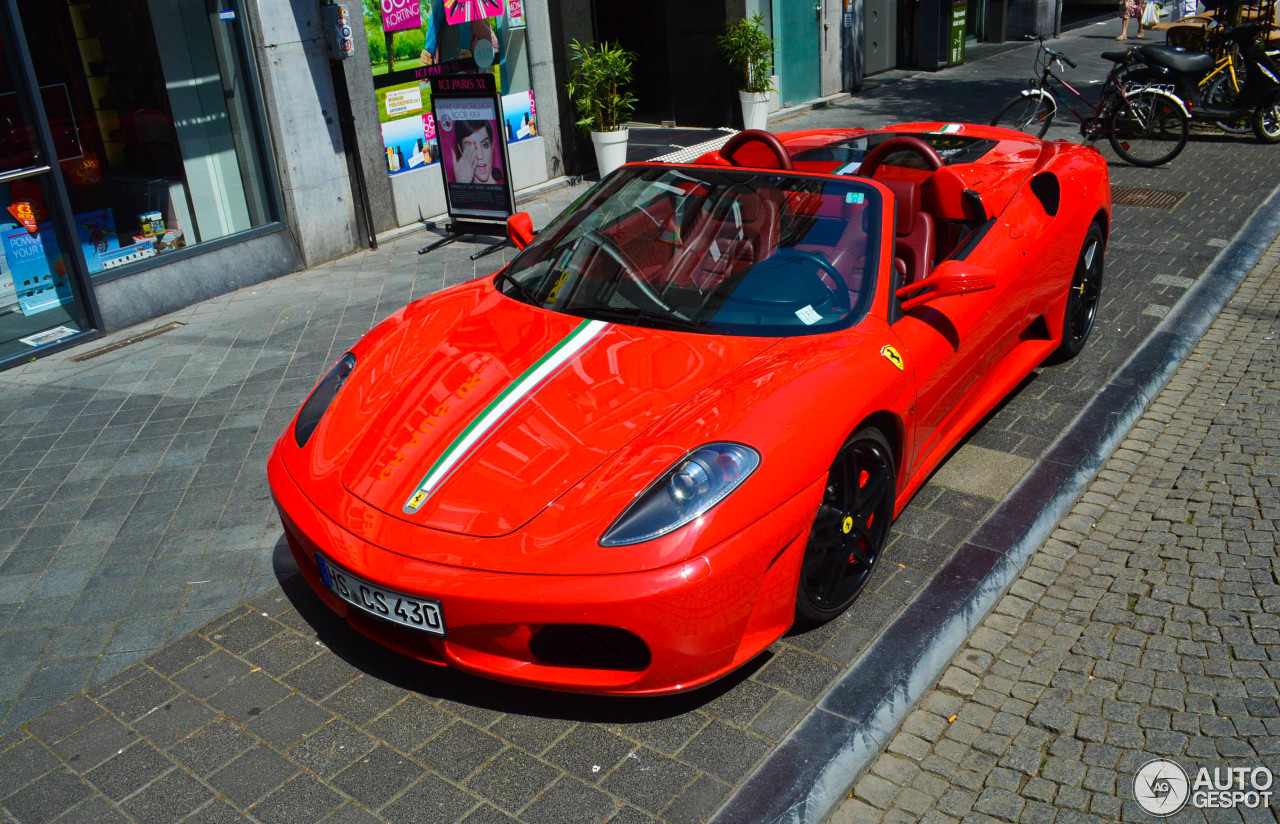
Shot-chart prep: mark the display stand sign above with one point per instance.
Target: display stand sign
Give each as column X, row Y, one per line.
column 467, row 114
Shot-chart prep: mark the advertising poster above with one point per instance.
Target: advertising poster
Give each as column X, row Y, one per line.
column 405, row 139
column 406, row 145
column 519, row 115
column 465, row 11
column 8, row 295
column 399, row 15
column 415, row 41
column 98, row 238
column 473, row 154
column 36, row 266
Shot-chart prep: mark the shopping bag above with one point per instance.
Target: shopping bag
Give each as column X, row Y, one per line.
column 1150, row 14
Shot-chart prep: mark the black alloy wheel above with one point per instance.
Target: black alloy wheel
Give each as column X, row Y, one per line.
column 850, row 528
column 1083, row 297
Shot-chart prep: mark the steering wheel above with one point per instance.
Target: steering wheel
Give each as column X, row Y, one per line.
column 826, row 272
column 614, row 252
column 833, row 282
column 901, row 143
column 729, row 149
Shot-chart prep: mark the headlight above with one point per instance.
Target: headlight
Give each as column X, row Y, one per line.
column 321, row 397
column 697, row 482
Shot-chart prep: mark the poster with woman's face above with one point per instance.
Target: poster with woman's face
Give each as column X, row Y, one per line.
column 471, row 152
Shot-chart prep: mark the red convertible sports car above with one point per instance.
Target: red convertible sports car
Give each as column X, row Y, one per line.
column 685, row 415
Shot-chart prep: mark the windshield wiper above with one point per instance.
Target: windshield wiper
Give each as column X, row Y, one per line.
column 641, row 317
column 520, row 288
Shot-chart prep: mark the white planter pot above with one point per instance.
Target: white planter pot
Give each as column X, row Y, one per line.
column 755, row 109
column 611, row 149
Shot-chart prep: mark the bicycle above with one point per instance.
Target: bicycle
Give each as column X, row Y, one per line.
column 1145, row 125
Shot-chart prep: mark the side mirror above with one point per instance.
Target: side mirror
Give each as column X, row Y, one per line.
column 951, row 277
column 520, row 229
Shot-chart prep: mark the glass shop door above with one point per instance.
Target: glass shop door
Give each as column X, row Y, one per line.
column 44, row 300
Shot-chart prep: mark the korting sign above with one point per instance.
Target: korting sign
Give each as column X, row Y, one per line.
column 398, row 15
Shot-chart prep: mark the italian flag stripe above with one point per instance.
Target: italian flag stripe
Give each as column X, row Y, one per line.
column 508, row 399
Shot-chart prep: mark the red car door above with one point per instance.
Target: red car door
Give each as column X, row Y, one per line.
column 954, row 342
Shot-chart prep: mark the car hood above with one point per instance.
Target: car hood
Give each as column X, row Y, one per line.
column 508, row 406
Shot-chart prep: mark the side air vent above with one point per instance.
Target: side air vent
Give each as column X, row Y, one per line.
column 1046, row 189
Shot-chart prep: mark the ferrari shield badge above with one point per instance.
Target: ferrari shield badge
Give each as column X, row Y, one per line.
column 892, row 356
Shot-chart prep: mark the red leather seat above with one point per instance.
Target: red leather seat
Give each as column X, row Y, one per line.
column 916, row 242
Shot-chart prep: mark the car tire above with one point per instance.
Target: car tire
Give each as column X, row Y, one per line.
column 850, row 528
column 1083, row 297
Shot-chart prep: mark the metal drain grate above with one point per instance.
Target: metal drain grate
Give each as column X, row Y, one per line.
column 1154, row 198
column 129, row 341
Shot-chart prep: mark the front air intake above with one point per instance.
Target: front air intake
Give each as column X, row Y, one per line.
column 584, row 646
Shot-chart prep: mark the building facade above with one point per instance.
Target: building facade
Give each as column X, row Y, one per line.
column 155, row 153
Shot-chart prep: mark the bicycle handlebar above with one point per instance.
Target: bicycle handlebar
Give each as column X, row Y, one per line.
column 1056, row 55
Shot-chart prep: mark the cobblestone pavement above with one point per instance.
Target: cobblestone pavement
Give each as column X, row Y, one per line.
column 135, row 510
column 1147, row 626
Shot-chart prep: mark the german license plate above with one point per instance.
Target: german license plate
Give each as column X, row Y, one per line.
column 407, row 610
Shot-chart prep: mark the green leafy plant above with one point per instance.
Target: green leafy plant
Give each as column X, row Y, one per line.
column 750, row 52
column 598, row 83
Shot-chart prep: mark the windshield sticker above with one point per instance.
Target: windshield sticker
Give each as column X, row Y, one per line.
column 558, row 356
column 953, row 128
column 849, row 168
column 854, row 197
column 555, row 290
column 808, row 315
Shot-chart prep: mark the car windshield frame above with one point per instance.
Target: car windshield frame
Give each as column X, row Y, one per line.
column 710, row 249
column 848, row 152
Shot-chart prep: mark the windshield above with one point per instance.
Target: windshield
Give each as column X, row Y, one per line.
column 729, row 251
column 953, row 148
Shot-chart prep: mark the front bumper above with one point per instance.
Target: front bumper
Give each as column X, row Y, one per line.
column 700, row 618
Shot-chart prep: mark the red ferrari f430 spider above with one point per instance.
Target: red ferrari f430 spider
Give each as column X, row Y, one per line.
column 685, row 415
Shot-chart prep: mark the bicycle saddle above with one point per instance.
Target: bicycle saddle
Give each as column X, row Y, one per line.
column 1116, row 57
column 1183, row 62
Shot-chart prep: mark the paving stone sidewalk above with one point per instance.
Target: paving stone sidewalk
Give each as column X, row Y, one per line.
column 1147, row 626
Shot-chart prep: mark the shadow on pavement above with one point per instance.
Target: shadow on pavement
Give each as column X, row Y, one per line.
column 441, row 682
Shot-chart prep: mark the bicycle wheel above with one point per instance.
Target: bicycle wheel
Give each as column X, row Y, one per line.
column 1222, row 93
column 1031, row 112
column 1150, row 130
column 1266, row 119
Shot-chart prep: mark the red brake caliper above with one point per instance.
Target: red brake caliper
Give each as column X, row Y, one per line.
column 863, row 477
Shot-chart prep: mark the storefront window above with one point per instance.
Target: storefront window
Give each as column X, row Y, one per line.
column 412, row 40
column 154, row 123
column 41, row 302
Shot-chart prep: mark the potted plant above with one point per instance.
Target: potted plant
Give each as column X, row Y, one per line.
column 750, row 52
column 597, row 87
